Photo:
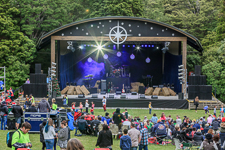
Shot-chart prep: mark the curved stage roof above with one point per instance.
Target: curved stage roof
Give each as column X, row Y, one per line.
column 136, row 27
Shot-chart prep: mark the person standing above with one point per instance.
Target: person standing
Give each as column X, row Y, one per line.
column 143, row 139
column 105, row 138
column 42, row 140
column 222, row 111
column 65, row 100
column 18, row 112
column 32, row 108
column 196, row 103
column 134, row 134
column 214, row 111
column 86, row 105
column 3, row 113
column 81, row 106
column 44, row 106
column 49, row 134
column 150, row 107
column 20, row 138
column 104, row 103
column 125, row 141
column 63, row 136
column 32, row 99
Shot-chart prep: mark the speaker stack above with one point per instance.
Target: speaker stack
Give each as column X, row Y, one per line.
column 38, row 85
column 197, row 86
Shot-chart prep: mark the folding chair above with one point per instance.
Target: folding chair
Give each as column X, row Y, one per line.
column 177, row 143
column 114, row 129
column 187, row 146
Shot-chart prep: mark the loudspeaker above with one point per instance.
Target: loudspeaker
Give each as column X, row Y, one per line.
column 103, row 85
column 202, row 80
column 133, row 93
column 142, row 96
column 154, row 97
column 103, row 92
column 36, row 89
column 123, row 96
column 81, row 96
column 111, row 96
column 180, row 95
column 37, row 68
column 38, row 78
column 118, row 92
column 197, row 70
column 141, row 90
column 94, row 96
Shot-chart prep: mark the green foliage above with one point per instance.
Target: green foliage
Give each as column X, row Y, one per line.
column 16, row 50
column 197, row 17
column 102, row 8
column 192, row 60
column 220, row 30
column 214, row 68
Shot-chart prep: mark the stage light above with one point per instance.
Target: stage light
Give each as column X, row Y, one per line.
column 146, row 45
column 128, row 45
column 99, row 47
column 123, row 45
column 91, row 45
column 89, row 59
column 138, row 47
column 105, row 56
column 132, row 56
column 88, row 45
column 157, row 47
column 114, row 45
column 68, row 47
column 133, row 45
column 152, row 45
column 149, row 45
column 81, row 47
column 147, row 60
column 103, row 45
column 85, row 45
column 118, row 54
column 142, row 45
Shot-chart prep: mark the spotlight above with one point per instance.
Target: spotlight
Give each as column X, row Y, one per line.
column 152, row 45
column 138, row 47
column 81, row 47
column 85, row 45
column 142, row 45
column 147, row 60
column 146, row 45
column 157, row 47
column 133, row 45
column 118, row 54
column 123, row 45
column 99, row 47
column 89, row 59
column 132, row 56
column 128, row 45
column 149, row 45
column 105, row 56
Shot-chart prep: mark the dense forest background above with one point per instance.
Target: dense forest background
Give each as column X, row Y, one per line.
column 23, row 22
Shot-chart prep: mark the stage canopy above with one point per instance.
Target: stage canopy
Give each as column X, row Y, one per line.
column 146, row 46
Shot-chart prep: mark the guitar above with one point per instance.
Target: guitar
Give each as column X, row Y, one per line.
column 123, row 91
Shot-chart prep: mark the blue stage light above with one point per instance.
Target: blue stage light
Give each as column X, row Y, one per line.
column 142, row 45
column 132, row 56
column 85, row 45
column 133, row 45
column 89, row 59
column 128, row 45
column 147, row 60
column 146, row 45
column 88, row 45
column 105, row 56
column 149, row 45
column 118, row 54
column 123, row 45
column 152, row 45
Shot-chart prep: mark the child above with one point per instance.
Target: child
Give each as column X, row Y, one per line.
column 63, row 136
column 73, row 106
column 54, row 105
column 104, row 103
column 81, row 106
column 221, row 111
column 92, row 104
column 150, row 107
column 215, row 110
column 206, row 109
column 92, row 110
column 125, row 141
column 126, row 113
column 86, row 105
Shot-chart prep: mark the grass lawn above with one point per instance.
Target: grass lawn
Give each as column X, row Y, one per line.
column 90, row 141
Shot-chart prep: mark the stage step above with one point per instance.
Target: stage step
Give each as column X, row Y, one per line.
column 202, row 103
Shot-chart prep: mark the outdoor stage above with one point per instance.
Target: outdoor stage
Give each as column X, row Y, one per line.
column 133, row 101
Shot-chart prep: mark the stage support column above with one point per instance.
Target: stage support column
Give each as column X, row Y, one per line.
column 52, row 50
column 184, row 62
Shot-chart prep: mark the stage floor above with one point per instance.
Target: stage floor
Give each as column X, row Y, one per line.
column 132, row 101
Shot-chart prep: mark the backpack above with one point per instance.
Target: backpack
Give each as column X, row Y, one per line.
column 9, row 138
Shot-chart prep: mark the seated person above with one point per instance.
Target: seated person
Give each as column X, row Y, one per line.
column 94, row 125
column 159, row 128
column 82, row 125
column 198, row 138
column 106, row 118
column 32, row 108
column 176, row 132
column 128, row 123
column 184, row 135
column 206, row 128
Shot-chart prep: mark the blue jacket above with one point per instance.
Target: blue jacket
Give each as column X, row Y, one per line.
column 154, row 119
column 197, row 126
column 163, row 131
column 125, row 142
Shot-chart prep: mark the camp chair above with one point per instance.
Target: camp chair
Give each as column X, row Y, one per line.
column 177, row 143
column 114, row 129
column 125, row 127
column 161, row 135
column 187, row 146
column 100, row 127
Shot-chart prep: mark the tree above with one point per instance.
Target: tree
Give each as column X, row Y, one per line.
column 220, row 30
column 197, row 17
column 102, row 8
column 16, row 50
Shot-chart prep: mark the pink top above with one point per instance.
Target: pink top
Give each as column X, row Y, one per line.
column 81, row 106
column 93, row 105
column 163, row 118
column 209, row 120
